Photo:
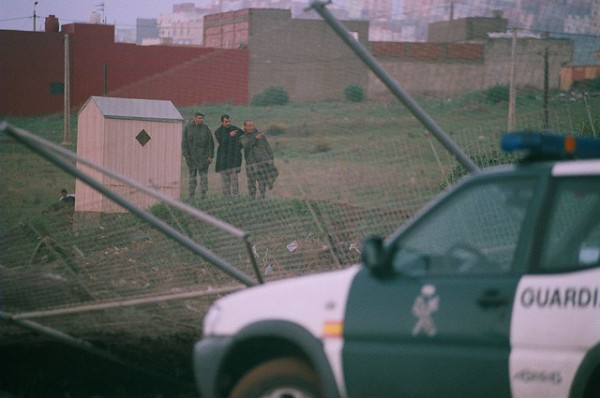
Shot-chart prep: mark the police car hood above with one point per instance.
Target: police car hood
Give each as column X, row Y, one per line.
column 311, row 301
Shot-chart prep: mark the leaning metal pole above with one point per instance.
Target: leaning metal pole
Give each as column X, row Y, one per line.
column 393, row 86
column 49, row 152
column 222, row 225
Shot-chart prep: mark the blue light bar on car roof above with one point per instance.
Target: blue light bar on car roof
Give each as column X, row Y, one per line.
column 551, row 146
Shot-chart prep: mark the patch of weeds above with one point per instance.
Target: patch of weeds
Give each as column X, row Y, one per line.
column 276, row 129
column 496, row 94
column 321, row 145
column 273, row 95
column 354, row 93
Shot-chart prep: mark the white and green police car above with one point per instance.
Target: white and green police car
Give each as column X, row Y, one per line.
column 493, row 290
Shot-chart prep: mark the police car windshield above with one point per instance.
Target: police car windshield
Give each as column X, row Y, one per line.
column 473, row 230
column 572, row 238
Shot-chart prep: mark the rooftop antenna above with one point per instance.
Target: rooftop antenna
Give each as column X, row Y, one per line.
column 100, row 7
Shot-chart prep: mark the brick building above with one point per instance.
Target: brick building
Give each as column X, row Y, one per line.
column 302, row 55
column 249, row 50
column 32, row 70
column 465, row 29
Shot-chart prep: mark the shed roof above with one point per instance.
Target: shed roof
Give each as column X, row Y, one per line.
column 134, row 108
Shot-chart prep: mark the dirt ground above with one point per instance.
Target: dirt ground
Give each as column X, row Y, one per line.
column 43, row 368
column 155, row 339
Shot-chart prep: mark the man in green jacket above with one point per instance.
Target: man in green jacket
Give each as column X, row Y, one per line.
column 198, row 148
column 259, row 160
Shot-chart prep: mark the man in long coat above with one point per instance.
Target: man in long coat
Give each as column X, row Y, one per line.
column 229, row 155
column 198, row 148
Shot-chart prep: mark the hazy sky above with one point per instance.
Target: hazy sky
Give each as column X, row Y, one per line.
column 18, row 14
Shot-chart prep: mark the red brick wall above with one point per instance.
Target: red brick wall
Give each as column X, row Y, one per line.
column 444, row 52
column 389, row 49
column 30, row 61
column 465, row 51
column 427, row 51
column 218, row 76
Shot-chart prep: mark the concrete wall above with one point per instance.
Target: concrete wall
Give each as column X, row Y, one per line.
column 303, row 56
column 463, row 29
column 529, row 67
column 446, row 69
column 429, row 68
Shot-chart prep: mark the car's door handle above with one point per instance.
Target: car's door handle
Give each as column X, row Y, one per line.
column 492, row 299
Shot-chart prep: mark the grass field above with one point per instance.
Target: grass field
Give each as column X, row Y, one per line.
column 347, row 170
column 348, row 137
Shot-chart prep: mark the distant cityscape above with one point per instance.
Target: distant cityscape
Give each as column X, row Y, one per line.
column 390, row 20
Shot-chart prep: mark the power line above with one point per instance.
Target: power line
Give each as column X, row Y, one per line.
column 15, row 19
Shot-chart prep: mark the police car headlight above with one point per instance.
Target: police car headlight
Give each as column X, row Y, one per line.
column 211, row 319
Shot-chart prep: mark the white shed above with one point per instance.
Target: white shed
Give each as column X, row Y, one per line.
column 137, row 138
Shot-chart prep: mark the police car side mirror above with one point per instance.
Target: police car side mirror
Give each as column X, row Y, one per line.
column 374, row 257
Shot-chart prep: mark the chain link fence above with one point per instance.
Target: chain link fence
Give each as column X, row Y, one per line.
column 346, row 170
column 323, row 204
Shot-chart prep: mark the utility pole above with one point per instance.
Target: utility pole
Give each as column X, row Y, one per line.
column 546, row 87
column 587, row 109
column 67, row 95
column 100, row 6
column 512, row 92
column 105, row 80
column 34, row 16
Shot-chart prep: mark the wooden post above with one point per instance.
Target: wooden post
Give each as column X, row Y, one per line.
column 546, row 87
column 67, row 95
column 105, row 74
column 512, row 94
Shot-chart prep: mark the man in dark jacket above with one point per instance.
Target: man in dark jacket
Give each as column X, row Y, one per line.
column 229, row 155
column 198, row 148
column 259, row 160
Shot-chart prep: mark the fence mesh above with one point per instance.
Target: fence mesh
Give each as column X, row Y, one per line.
column 346, row 170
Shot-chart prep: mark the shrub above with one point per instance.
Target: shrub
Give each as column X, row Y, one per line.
column 496, row 94
column 273, row 95
column 354, row 93
column 589, row 85
column 321, row 145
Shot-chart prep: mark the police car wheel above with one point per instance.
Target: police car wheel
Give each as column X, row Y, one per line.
column 279, row 378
